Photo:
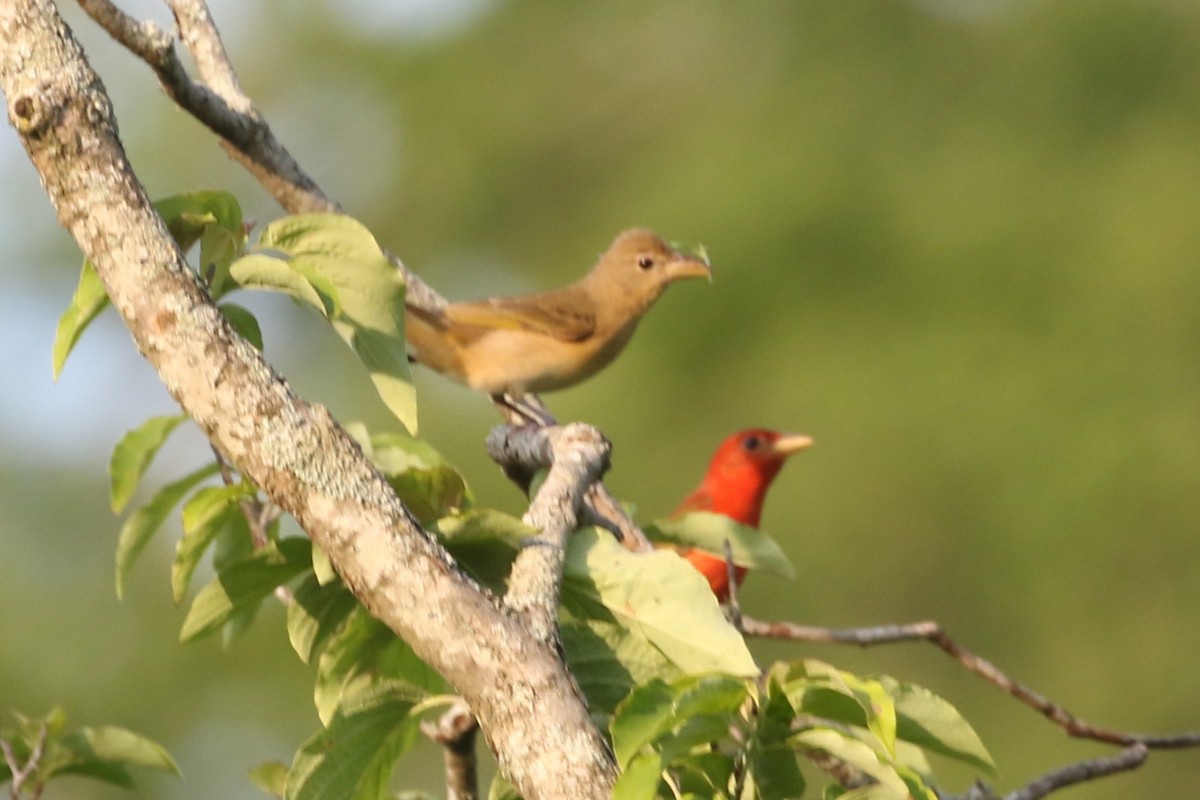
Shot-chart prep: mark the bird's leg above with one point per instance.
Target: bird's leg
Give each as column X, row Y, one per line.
column 525, row 409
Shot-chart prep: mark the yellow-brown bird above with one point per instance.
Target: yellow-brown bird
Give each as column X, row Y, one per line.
column 510, row 346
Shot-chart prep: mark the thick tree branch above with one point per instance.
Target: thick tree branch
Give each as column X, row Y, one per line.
column 932, row 632
column 294, row 451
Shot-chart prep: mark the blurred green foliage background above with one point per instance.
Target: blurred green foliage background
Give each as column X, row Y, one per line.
column 956, row 241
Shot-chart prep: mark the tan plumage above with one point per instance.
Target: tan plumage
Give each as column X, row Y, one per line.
column 554, row 339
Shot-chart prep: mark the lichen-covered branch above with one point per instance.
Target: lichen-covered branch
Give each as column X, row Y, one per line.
column 515, row 683
column 576, row 456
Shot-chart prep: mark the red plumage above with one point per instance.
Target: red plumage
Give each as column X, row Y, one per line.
column 735, row 485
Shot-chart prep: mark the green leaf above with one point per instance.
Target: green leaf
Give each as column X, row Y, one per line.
column 707, row 531
column 103, row 771
column 133, row 455
column 323, row 567
column 315, row 613
column 858, row 755
column 270, row 777
column 772, row 772
column 675, row 717
column 261, row 271
column 484, row 542
column 608, row 661
column 208, row 513
column 104, row 754
column 188, row 215
column 501, row 789
column 243, row 322
column 145, row 522
column 364, row 660
column 354, row 757
column 369, row 315
column 771, row 768
column 429, row 486
column 657, row 596
column 704, row 774
column 214, row 218
column 879, row 707
column 927, row 720
column 86, row 304
column 641, row 719
column 430, row 493
column 120, row 746
column 484, row 523
column 243, row 584
column 918, row 789
column 640, row 779
column 383, row 354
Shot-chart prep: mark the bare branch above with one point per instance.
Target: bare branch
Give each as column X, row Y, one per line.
column 1131, row 757
column 932, row 632
column 291, row 449
column 456, row 732
column 600, row 508
column 577, row 455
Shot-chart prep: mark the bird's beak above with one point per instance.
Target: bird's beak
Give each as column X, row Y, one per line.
column 785, row 446
column 684, row 267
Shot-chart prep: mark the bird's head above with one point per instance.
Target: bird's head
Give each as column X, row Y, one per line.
column 744, row 466
column 640, row 264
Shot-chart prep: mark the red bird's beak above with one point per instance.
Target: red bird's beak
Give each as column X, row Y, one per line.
column 788, row 444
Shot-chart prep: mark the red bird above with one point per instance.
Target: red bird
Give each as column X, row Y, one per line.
column 735, row 485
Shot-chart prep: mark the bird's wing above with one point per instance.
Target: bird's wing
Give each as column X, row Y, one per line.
column 558, row 315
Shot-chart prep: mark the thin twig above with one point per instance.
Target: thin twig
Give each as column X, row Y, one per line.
column 259, row 517
column 14, row 769
column 1090, row 769
column 602, row 509
column 1131, row 757
column 21, row 773
column 456, row 731
column 735, row 608
column 932, row 632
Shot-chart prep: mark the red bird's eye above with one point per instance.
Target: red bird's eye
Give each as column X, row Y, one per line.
column 645, row 262
column 751, row 443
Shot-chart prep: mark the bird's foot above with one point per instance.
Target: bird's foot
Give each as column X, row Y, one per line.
column 526, row 409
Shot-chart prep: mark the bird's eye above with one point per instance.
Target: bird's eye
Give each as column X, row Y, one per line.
column 751, row 443
column 645, row 262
